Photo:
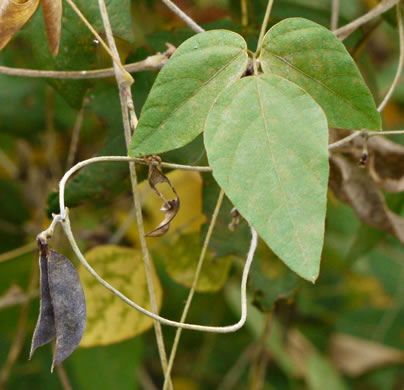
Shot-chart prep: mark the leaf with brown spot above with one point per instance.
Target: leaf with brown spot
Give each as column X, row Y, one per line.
column 170, row 207
column 13, row 15
column 351, row 185
column 52, row 12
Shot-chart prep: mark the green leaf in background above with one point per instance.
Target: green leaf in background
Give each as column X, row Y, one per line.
column 106, row 367
column 78, row 51
column 270, row 280
column 176, row 109
column 223, row 242
column 313, row 57
column 266, row 140
column 109, row 319
column 182, row 259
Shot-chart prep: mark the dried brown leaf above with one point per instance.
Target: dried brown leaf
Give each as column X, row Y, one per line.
column 52, row 12
column 170, row 207
column 351, row 185
column 354, row 356
column 13, row 15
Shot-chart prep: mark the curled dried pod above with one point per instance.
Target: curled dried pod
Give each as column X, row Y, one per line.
column 62, row 313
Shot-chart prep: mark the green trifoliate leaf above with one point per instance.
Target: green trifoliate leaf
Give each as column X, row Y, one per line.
column 176, row 109
column 266, row 140
column 313, row 57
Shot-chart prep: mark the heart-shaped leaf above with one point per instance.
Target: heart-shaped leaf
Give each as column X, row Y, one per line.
column 266, row 140
column 314, row 58
column 179, row 102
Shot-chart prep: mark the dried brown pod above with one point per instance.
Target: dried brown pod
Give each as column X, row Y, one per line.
column 170, row 207
column 62, row 305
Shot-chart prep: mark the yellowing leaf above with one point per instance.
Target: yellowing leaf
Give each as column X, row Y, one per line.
column 13, row 15
column 52, row 12
column 109, row 319
column 182, row 259
column 189, row 218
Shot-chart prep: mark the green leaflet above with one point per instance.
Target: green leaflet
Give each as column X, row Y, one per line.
column 312, row 57
column 266, row 140
column 176, row 109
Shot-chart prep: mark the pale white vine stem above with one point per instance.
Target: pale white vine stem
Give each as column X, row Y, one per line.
column 213, row 329
column 344, row 31
column 154, row 62
column 183, row 16
column 400, row 61
column 194, row 284
column 81, row 164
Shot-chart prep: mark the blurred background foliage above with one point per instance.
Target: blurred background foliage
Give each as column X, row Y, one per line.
column 344, row 332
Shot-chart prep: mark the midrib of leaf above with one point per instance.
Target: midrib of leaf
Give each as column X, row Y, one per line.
column 277, row 174
column 316, row 81
column 198, row 90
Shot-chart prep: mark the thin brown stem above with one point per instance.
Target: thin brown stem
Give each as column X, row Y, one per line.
column 396, row 80
column 76, row 133
column 344, row 31
column 183, row 16
column 153, row 62
column 126, row 107
column 19, row 337
column 17, row 252
column 194, row 284
column 244, row 13
column 334, row 14
column 62, row 374
column 264, row 25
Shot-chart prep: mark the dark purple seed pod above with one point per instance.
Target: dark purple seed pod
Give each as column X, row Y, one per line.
column 45, row 330
column 62, row 305
column 69, row 305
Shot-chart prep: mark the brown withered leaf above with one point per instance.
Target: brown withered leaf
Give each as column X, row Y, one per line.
column 386, row 159
column 13, row 15
column 386, row 165
column 351, row 185
column 170, row 207
column 62, row 305
column 354, row 356
column 52, row 12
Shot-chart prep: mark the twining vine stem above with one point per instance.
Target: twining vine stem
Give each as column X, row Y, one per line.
column 264, row 25
column 182, row 15
column 65, row 222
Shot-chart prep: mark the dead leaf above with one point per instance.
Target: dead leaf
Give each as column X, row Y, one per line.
column 351, row 185
column 62, row 311
column 52, row 12
column 386, row 165
column 386, row 159
column 170, row 207
column 354, row 356
column 13, row 15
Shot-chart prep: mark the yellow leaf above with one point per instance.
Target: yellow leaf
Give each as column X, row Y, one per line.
column 109, row 319
column 52, row 12
column 181, row 261
column 13, row 15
